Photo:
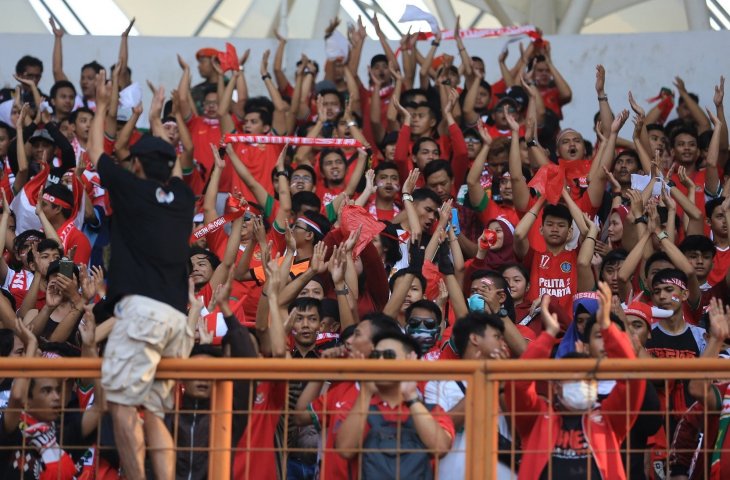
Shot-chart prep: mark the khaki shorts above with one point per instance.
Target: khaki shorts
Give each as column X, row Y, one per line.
column 145, row 331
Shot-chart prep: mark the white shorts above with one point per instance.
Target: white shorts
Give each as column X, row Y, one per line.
column 145, row 331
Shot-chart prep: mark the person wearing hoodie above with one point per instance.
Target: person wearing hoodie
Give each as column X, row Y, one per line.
column 573, row 433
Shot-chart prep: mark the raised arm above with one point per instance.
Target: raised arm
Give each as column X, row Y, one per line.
column 719, row 315
column 522, row 230
column 124, row 48
column 224, row 104
column 281, row 81
column 720, row 112
column 605, row 115
column 21, row 176
column 183, row 88
column 586, row 278
column 58, row 32
column 712, row 175
column 281, row 108
column 19, row 390
column 95, row 145
column 597, row 185
column 565, row 94
column 695, row 110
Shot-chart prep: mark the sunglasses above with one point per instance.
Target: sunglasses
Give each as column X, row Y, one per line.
column 301, row 178
column 428, row 322
column 387, row 354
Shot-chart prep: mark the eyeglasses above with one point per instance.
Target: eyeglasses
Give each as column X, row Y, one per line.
column 428, row 322
column 387, row 354
column 296, row 225
column 472, row 140
column 247, row 217
column 300, row 178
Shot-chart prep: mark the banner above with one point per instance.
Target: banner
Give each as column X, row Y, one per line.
column 528, row 30
column 294, row 141
column 235, row 207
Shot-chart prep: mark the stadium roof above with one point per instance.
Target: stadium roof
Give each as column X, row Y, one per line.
column 308, row 18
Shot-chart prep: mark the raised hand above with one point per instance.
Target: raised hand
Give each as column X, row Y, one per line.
column 604, row 305
column 719, row 93
column 183, row 64
column 635, row 106
column 317, row 263
column 26, row 336
column 679, row 83
column 483, row 133
column 600, row 79
column 205, row 336
column 103, row 89
column 719, row 316
column 125, row 33
column 410, row 184
column 513, row 125
column 88, row 286
column 352, row 240
column 87, row 327
column 445, row 213
column 338, row 264
column 618, row 121
column 549, row 320
column 57, row 30
column 264, row 69
column 334, row 23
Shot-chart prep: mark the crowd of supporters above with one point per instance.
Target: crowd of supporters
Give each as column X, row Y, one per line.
column 447, row 213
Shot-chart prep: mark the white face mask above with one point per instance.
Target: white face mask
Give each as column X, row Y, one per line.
column 579, row 395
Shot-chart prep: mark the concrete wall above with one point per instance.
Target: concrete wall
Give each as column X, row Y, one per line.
column 640, row 62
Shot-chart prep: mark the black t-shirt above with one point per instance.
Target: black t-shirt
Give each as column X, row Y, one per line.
column 150, row 231
column 571, row 456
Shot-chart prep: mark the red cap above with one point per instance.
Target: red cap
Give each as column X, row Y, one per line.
column 206, row 52
column 641, row 310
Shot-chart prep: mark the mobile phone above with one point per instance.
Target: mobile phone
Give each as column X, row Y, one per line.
column 455, row 221
column 66, row 267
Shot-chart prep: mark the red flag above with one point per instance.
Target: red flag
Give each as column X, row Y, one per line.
column 549, row 182
column 354, row 216
column 25, row 201
column 228, row 59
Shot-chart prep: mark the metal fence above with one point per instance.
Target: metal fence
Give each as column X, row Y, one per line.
column 486, row 380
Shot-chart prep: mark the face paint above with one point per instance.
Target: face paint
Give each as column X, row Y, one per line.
column 676, row 299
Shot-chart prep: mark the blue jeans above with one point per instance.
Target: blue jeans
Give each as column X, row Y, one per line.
column 296, row 470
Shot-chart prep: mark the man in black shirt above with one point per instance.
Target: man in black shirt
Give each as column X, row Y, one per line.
column 151, row 224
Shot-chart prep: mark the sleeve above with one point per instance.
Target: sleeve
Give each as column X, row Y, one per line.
column 444, row 421
column 68, row 157
column 110, row 174
column 402, row 153
column 521, row 396
column 316, row 409
column 616, row 405
column 83, row 248
column 459, row 155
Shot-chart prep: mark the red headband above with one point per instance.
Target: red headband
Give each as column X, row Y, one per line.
column 56, row 201
column 673, row 281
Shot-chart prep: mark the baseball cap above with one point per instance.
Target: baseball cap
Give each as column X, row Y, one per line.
column 323, row 85
column 519, row 95
column 507, row 101
column 41, row 134
column 153, row 147
column 640, row 310
column 124, row 114
column 206, row 52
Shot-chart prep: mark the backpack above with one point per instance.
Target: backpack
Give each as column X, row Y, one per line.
column 387, row 462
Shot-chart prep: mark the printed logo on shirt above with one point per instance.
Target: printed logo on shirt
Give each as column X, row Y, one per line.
column 566, row 267
column 544, row 261
column 260, row 397
column 164, row 197
column 555, row 287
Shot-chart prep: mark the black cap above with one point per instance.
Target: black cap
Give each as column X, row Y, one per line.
column 519, row 94
column 507, row 100
column 153, row 147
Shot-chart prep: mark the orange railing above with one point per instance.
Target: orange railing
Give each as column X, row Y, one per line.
column 483, row 377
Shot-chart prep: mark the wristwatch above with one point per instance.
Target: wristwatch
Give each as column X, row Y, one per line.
column 532, row 143
column 344, row 291
column 502, row 312
column 641, row 219
column 409, row 403
column 662, row 235
column 282, row 173
column 407, row 197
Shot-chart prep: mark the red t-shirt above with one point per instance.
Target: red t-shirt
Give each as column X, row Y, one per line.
column 255, row 457
column 551, row 99
column 329, row 411
column 75, row 238
column 495, row 132
column 260, row 159
column 720, row 266
column 205, row 131
column 556, row 275
column 18, row 283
